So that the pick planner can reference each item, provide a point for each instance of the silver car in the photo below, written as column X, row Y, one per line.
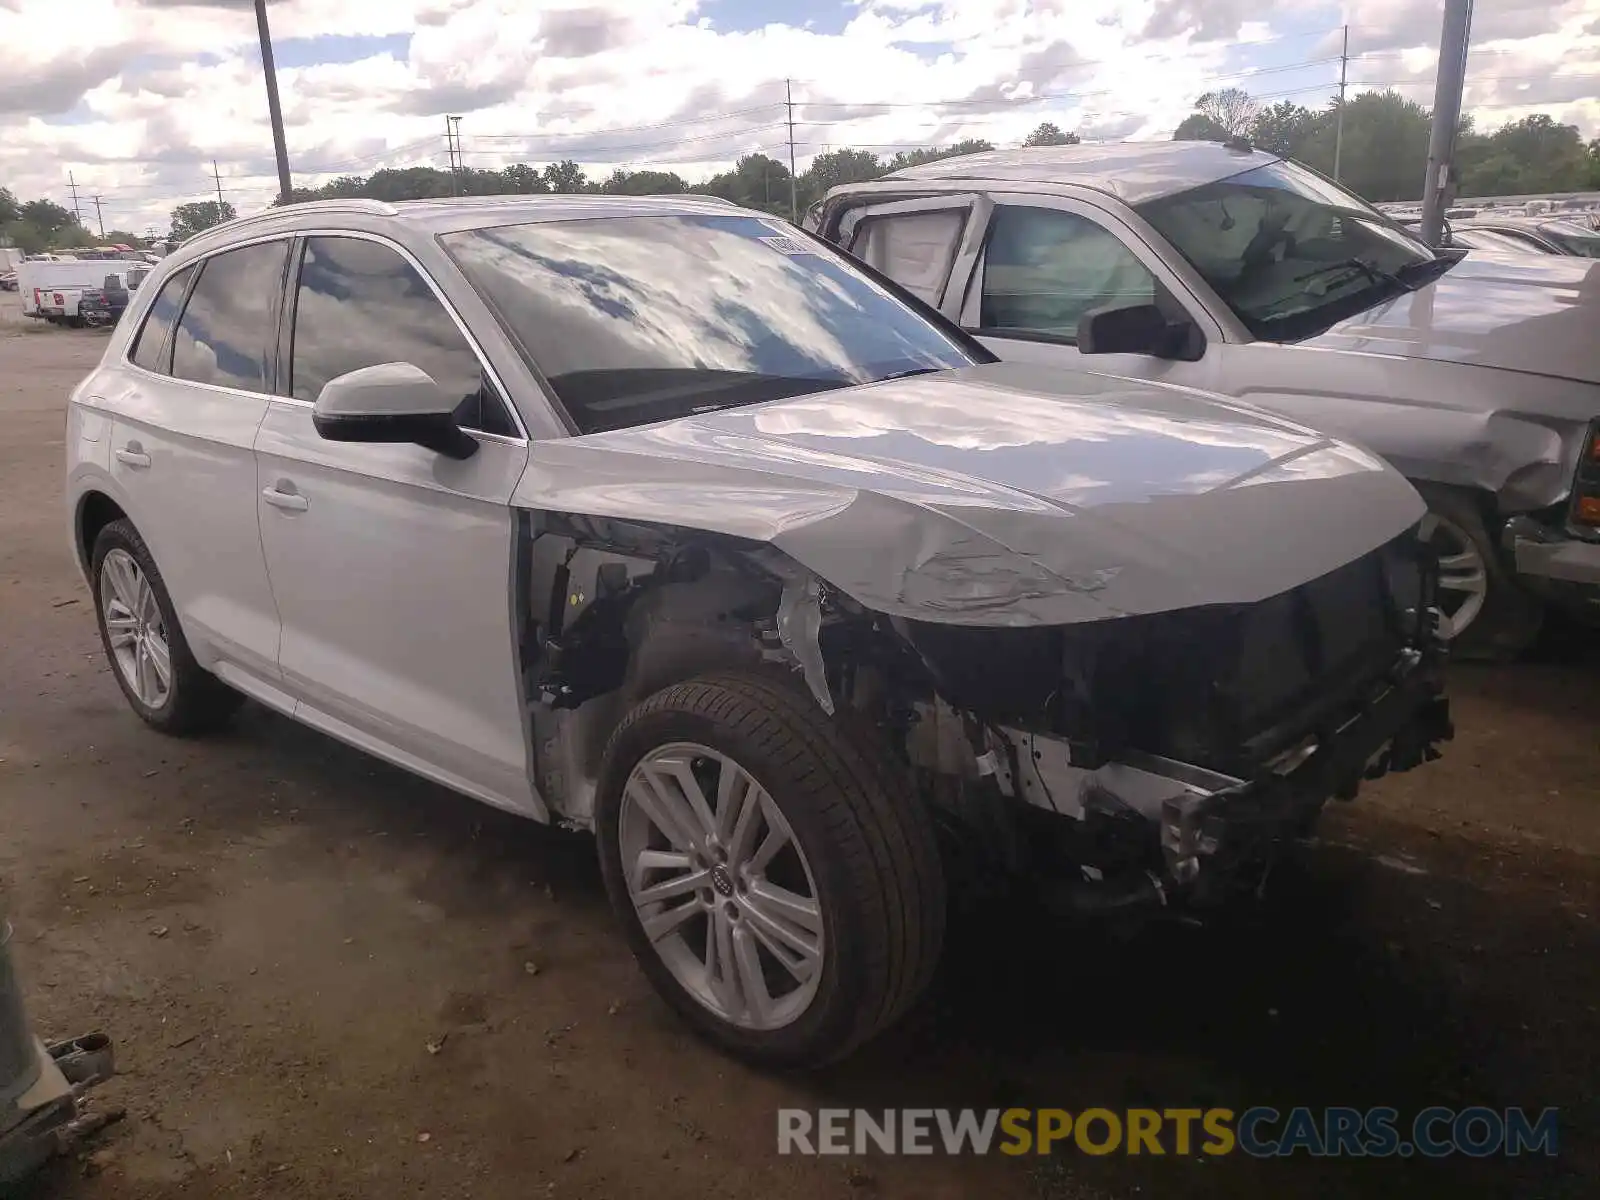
column 1239, row 272
column 661, row 519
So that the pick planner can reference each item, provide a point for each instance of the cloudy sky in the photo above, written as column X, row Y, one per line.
column 136, row 98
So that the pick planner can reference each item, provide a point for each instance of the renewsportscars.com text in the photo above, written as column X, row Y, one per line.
column 1259, row 1132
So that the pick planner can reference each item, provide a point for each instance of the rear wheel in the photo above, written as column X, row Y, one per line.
column 144, row 644
column 777, row 881
column 1487, row 613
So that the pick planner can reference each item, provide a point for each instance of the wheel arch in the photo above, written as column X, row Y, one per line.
column 94, row 511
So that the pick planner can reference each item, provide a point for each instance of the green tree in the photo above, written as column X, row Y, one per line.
column 522, row 179
column 1047, row 133
column 915, row 158
column 643, row 183
column 49, row 217
column 1534, row 154
column 407, row 183
column 1385, row 146
column 189, row 219
column 835, row 167
column 756, row 181
column 1288, row 129
column 123, row 237
column 565, row 176
column 9, row 209
column 1197, row 127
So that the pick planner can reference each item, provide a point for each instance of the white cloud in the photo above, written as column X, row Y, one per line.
column 136, row 100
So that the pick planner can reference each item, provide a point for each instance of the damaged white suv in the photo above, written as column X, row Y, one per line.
column 660, row 518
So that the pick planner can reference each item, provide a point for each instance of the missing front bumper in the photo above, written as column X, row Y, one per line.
column 1213, row 832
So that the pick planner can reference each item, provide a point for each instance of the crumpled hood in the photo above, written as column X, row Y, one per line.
column 1538, row 313
column 1005, row 494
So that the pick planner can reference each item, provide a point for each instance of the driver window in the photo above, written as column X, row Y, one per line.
column 1043, row 269
column 358, row 304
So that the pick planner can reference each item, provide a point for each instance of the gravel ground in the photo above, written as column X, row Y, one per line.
column 317, row 969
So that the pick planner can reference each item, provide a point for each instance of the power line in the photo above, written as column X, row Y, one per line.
column 700, row 120
column 655, row 145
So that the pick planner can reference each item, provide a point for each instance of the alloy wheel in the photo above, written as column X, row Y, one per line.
column 135, row 629
column 1463, row 574
column 721, row 886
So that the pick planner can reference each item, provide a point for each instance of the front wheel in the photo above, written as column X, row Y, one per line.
column 1487, row 613
column 776, row 879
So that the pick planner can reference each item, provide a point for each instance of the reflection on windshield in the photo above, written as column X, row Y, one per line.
column 640, row 319
column 1290, row 252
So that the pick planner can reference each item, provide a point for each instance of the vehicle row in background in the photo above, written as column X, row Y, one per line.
column 77, row 291
column 1233, row 270
column 1539, row 235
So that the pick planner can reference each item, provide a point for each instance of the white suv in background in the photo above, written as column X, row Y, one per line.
column 660, row 518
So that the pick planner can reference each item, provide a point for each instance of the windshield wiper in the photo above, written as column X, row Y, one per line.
column 1360, row 266
column 1420, row 274
column 909, row 372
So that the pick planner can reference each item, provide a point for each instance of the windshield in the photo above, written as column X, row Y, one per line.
column 1288, row 251
column 1572, row 238
column 1492, row 239
column 641, row 319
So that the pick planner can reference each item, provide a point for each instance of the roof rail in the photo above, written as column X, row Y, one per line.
column 356, row 204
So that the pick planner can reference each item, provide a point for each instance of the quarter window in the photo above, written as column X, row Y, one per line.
column 1044, row 269
column 228, row 322
column 915, row 249
column 360, row 303
column 152, row 348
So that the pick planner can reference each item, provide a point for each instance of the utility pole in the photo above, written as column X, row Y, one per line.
column 274, row 109
column 794, row 187
column 452, row 142
column 1438, row 187
column 1338, row 123
column 217, row 175
column 99, row 218
column 73, row 184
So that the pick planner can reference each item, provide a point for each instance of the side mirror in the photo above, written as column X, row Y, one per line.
column 391, row 402
column 1137, row 329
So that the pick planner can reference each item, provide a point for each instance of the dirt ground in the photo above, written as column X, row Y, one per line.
column 275, row 930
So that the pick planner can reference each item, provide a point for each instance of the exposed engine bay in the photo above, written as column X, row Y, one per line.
column 1110, row 763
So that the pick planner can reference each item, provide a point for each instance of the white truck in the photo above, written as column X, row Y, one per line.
column 53, row 291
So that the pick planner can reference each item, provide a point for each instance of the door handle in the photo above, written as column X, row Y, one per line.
column 132, row 456
column 291, row 501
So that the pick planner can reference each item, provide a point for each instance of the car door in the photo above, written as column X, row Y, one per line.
column 1046, row 261
column 391, row 564
column 183, row 425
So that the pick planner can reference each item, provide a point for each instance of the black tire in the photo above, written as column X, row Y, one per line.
column 870, row 842
column 1511, row 616
column 197, row 702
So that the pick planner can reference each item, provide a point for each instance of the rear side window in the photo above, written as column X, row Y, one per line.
column 223, row 336
column 359, row 304
column 915, row 249
column 152, row 347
